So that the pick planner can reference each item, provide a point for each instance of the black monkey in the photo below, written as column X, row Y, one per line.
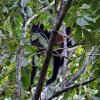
column 58, row 61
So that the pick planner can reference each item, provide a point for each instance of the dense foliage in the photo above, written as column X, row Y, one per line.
column 84, row 18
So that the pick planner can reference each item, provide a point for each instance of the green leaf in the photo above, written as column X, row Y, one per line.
column 35, row 36
column 88, row 38
column 94, row 5
column 29, row 11
column 97, row 23
column 96, row 69
column 81, row 22
column 30, row 48
column 12, row 77
column 5, row 9
column 78, row 34
column 24, row 61
column 43, row 41
column 92, row 91
column 65, row 96
column 86, row 34
column 81, row 60
column 85, row 6
column 97, row 12
column 87, row 17
column 96, row 98
column 26, row 77
column 26, row 81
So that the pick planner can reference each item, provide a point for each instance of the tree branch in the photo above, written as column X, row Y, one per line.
column 26, row 22
column 71, row 87
column 94, row 50
column 66, row 55
column 22, row 5
column 49, row 50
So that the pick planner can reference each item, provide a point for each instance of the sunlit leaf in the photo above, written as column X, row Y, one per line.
column 30, row 48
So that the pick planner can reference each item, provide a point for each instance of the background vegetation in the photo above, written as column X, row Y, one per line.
column 83, row 14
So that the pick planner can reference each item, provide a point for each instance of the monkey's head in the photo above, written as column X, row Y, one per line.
column 37, row 28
